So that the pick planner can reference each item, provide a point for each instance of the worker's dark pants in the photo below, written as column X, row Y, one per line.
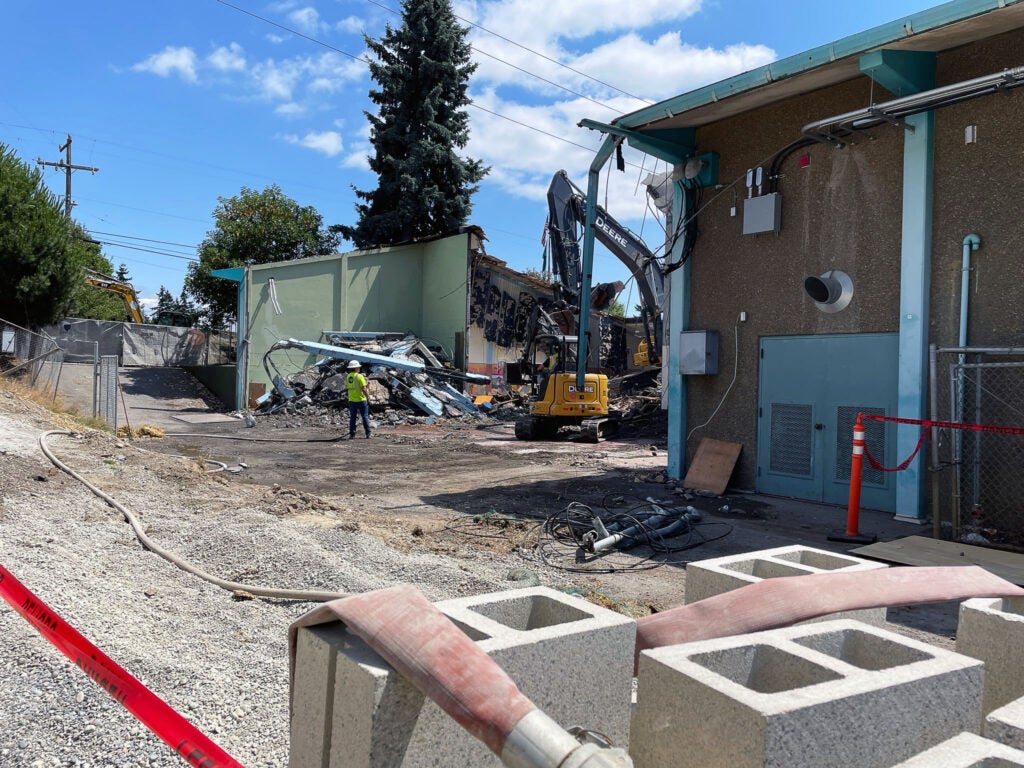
column 363, row 409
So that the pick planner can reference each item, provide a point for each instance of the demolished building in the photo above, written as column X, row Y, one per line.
column 467, row 307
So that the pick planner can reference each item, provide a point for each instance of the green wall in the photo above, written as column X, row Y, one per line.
column 445, row 292
column 419, row 288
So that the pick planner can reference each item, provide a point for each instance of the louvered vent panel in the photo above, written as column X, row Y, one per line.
column 791, row 439
column 874, row 438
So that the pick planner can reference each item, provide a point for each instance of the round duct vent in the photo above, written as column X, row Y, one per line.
column 832, row 292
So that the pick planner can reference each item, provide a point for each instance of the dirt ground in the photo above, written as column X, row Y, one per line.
column 451, row 489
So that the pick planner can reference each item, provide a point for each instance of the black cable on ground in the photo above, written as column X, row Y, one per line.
column 558, row 538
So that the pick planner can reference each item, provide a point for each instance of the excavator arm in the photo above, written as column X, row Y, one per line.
column 123, row 290
column 567, row 207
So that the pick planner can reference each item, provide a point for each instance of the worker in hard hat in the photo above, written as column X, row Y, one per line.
column 358, row 398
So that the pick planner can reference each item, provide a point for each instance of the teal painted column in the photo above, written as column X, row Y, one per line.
column 678, row 321
column 904, row 73
column 915, row 281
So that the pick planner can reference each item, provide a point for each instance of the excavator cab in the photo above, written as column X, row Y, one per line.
column 556, row 399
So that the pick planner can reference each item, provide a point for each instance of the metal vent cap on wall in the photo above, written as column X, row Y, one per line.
column 831, row 292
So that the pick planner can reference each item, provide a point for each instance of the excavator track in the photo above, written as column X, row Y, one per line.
column 599, row 428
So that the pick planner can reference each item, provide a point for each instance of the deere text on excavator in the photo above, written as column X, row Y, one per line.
column 557, row 399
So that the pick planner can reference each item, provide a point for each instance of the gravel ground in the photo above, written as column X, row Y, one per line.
column 220, row 662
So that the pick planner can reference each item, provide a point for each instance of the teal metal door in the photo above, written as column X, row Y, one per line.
column 811, row 389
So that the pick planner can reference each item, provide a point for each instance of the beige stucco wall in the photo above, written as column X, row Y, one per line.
column 843, row 211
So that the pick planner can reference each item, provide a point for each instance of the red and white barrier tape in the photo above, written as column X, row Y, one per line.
column 928, row 424
column 997, row 429
column 197, row 749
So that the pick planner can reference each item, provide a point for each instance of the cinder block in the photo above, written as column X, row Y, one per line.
column 966, row 751
column 992, row 629
column 707, row 578
column 573, row 659
column 826, row 695
column 1006, row 724
column 316, row 649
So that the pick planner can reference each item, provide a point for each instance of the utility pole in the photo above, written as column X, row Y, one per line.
column 68, row 168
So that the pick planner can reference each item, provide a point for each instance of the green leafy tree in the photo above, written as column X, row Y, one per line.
column 42, row 254
column 617, row 309
column 424, row 187
column 122, row 273
column 252, row 228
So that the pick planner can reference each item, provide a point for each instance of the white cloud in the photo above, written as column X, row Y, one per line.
column 326, row 142
column 171, row 60
column 227, row 59
column 533, row 21
column 290, row 109
column 352, row 25
column 306, row 20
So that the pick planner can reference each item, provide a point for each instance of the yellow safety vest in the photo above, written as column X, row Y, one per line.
column 355, row 383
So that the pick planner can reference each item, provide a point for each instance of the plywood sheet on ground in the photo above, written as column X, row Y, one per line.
column 920, row 550
column 712, row 466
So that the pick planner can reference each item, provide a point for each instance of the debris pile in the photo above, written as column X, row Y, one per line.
column 408, row 382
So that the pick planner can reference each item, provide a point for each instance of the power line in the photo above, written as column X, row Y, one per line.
column 147, row 250
column 144, row 239
column 530, row 50
column 67, row 167
column 365, row 61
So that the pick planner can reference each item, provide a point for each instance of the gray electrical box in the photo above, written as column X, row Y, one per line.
column 762, row 214
column 698, row 352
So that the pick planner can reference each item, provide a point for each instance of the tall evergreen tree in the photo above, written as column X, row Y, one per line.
column 424, row 187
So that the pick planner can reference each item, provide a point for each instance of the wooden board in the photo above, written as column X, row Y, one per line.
column 712, row 466
column 920, row 550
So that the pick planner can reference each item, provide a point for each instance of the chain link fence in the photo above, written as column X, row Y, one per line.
column 32, row 358
column 978, row 477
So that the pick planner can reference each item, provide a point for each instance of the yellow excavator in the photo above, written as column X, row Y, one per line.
column 122, row 289
column 556, row 400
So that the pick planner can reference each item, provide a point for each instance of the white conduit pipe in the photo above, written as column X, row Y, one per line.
column 148, row 543
column 425, row 647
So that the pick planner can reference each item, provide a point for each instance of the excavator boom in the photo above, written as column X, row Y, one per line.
column 123, row 290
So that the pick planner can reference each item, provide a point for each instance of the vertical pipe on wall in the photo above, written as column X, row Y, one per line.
column 971, row 243
column 587, row 270
column 933, row 392
column 673, row 381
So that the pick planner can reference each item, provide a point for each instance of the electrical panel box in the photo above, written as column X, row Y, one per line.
column 762, row 214
column 698, row 353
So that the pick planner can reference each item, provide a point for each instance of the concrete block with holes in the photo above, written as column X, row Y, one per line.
column 992, row 629
column 707, row 578
column 1006, row 724
column 572, row 658
column 966, row 751
column 825, row 695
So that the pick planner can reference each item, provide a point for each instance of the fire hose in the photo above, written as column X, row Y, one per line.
column 231, row 586
column 439, row 659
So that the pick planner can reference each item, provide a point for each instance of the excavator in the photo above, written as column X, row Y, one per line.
column 567, row 213
column 122, row 289
column 557, row 400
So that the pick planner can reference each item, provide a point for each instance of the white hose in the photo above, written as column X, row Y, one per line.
column 230, row 586
column 735, row 370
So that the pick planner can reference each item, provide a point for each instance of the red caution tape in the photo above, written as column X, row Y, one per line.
column 927, row 424
column 185, row 739
column 999, row 430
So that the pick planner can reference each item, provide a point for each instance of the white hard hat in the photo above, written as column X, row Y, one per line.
column 352, row 364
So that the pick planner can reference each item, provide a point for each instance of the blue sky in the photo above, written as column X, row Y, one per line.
column 180, row 103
